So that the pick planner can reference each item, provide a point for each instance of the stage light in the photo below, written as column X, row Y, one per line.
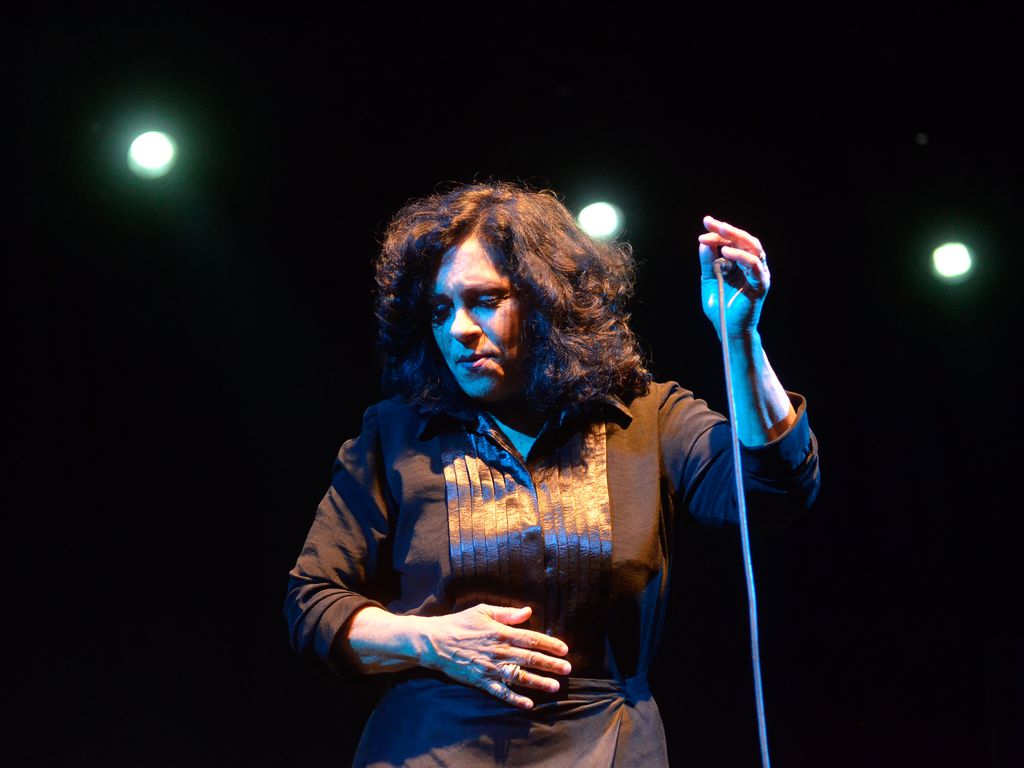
column 600, row 220
column 151, row 155
column 952, row 262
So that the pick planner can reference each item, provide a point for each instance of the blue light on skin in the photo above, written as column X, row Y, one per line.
column 478, row 327
column 477, row 323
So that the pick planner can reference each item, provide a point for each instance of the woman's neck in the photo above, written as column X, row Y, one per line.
column 520, row 423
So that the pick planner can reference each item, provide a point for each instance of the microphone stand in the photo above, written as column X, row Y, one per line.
column 720, row 266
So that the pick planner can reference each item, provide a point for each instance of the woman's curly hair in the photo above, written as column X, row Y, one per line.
column 574, row 290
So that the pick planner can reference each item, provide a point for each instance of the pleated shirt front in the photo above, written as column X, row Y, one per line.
column 537, row 527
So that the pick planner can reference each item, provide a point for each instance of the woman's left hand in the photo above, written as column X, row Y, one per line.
column 746, row 283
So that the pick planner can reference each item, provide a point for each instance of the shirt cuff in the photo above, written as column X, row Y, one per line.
column 333, row 623
column 786, row 454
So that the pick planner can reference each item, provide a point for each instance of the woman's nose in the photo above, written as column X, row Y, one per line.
column 463, row 325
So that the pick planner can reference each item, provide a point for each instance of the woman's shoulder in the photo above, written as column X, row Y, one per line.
column 660, row 394
column 387, row 425
column 391, row 416
column 394, row 407
column 669, row 408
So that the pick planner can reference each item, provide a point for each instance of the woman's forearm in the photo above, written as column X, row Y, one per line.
column 763, row 408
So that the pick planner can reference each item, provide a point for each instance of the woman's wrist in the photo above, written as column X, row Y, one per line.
column 746, row 340
column 380, row 641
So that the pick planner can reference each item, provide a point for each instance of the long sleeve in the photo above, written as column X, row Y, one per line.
column 345, row 563
column 781, row 478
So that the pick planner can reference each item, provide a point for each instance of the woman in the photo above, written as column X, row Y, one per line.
column 498, row 536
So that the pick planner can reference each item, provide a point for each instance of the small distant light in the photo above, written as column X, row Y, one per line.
column 921, row 139
column 601, row 220
column 952, row 261
column 151, row 155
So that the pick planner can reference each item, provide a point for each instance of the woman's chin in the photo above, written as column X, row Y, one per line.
column 487, row 389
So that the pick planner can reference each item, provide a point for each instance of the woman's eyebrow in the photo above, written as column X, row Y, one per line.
column 476, row 289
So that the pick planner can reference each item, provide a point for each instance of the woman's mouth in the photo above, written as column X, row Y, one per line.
column 474, row 362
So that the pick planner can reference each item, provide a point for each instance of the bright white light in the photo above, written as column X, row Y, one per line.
column 952, row 261
column 600, row 220
column 151, row 155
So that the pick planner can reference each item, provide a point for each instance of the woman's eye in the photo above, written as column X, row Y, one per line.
column 439, row 313
column 491, row 301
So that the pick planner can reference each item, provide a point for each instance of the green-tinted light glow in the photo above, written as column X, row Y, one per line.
column 952, row 261
column 151, row 155
column 600, row 220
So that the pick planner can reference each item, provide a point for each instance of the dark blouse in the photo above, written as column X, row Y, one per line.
column 430, row 515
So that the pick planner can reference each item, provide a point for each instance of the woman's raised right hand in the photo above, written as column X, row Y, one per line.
column 482, row 647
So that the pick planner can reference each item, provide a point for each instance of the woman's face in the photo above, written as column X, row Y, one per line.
column 477, row 323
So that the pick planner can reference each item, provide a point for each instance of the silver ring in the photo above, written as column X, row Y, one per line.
column 509, row 671
column 763, row 257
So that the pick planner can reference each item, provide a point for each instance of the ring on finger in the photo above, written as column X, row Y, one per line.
column 763, row 257
column 509, row 672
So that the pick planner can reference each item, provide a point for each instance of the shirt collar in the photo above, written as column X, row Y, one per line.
column 431, row 424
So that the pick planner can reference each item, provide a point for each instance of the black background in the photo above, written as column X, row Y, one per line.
column 188, row 353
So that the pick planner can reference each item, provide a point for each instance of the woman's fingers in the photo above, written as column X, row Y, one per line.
column 755, row 268
column 732, row 235
column 534, row 650
column 739, row 247
column 499, row 690
column 514, row 674
column 505, row 614
column 499, row 687
column 536, row 641
column 534, row 660
column 508, row 674
column 715, row 240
